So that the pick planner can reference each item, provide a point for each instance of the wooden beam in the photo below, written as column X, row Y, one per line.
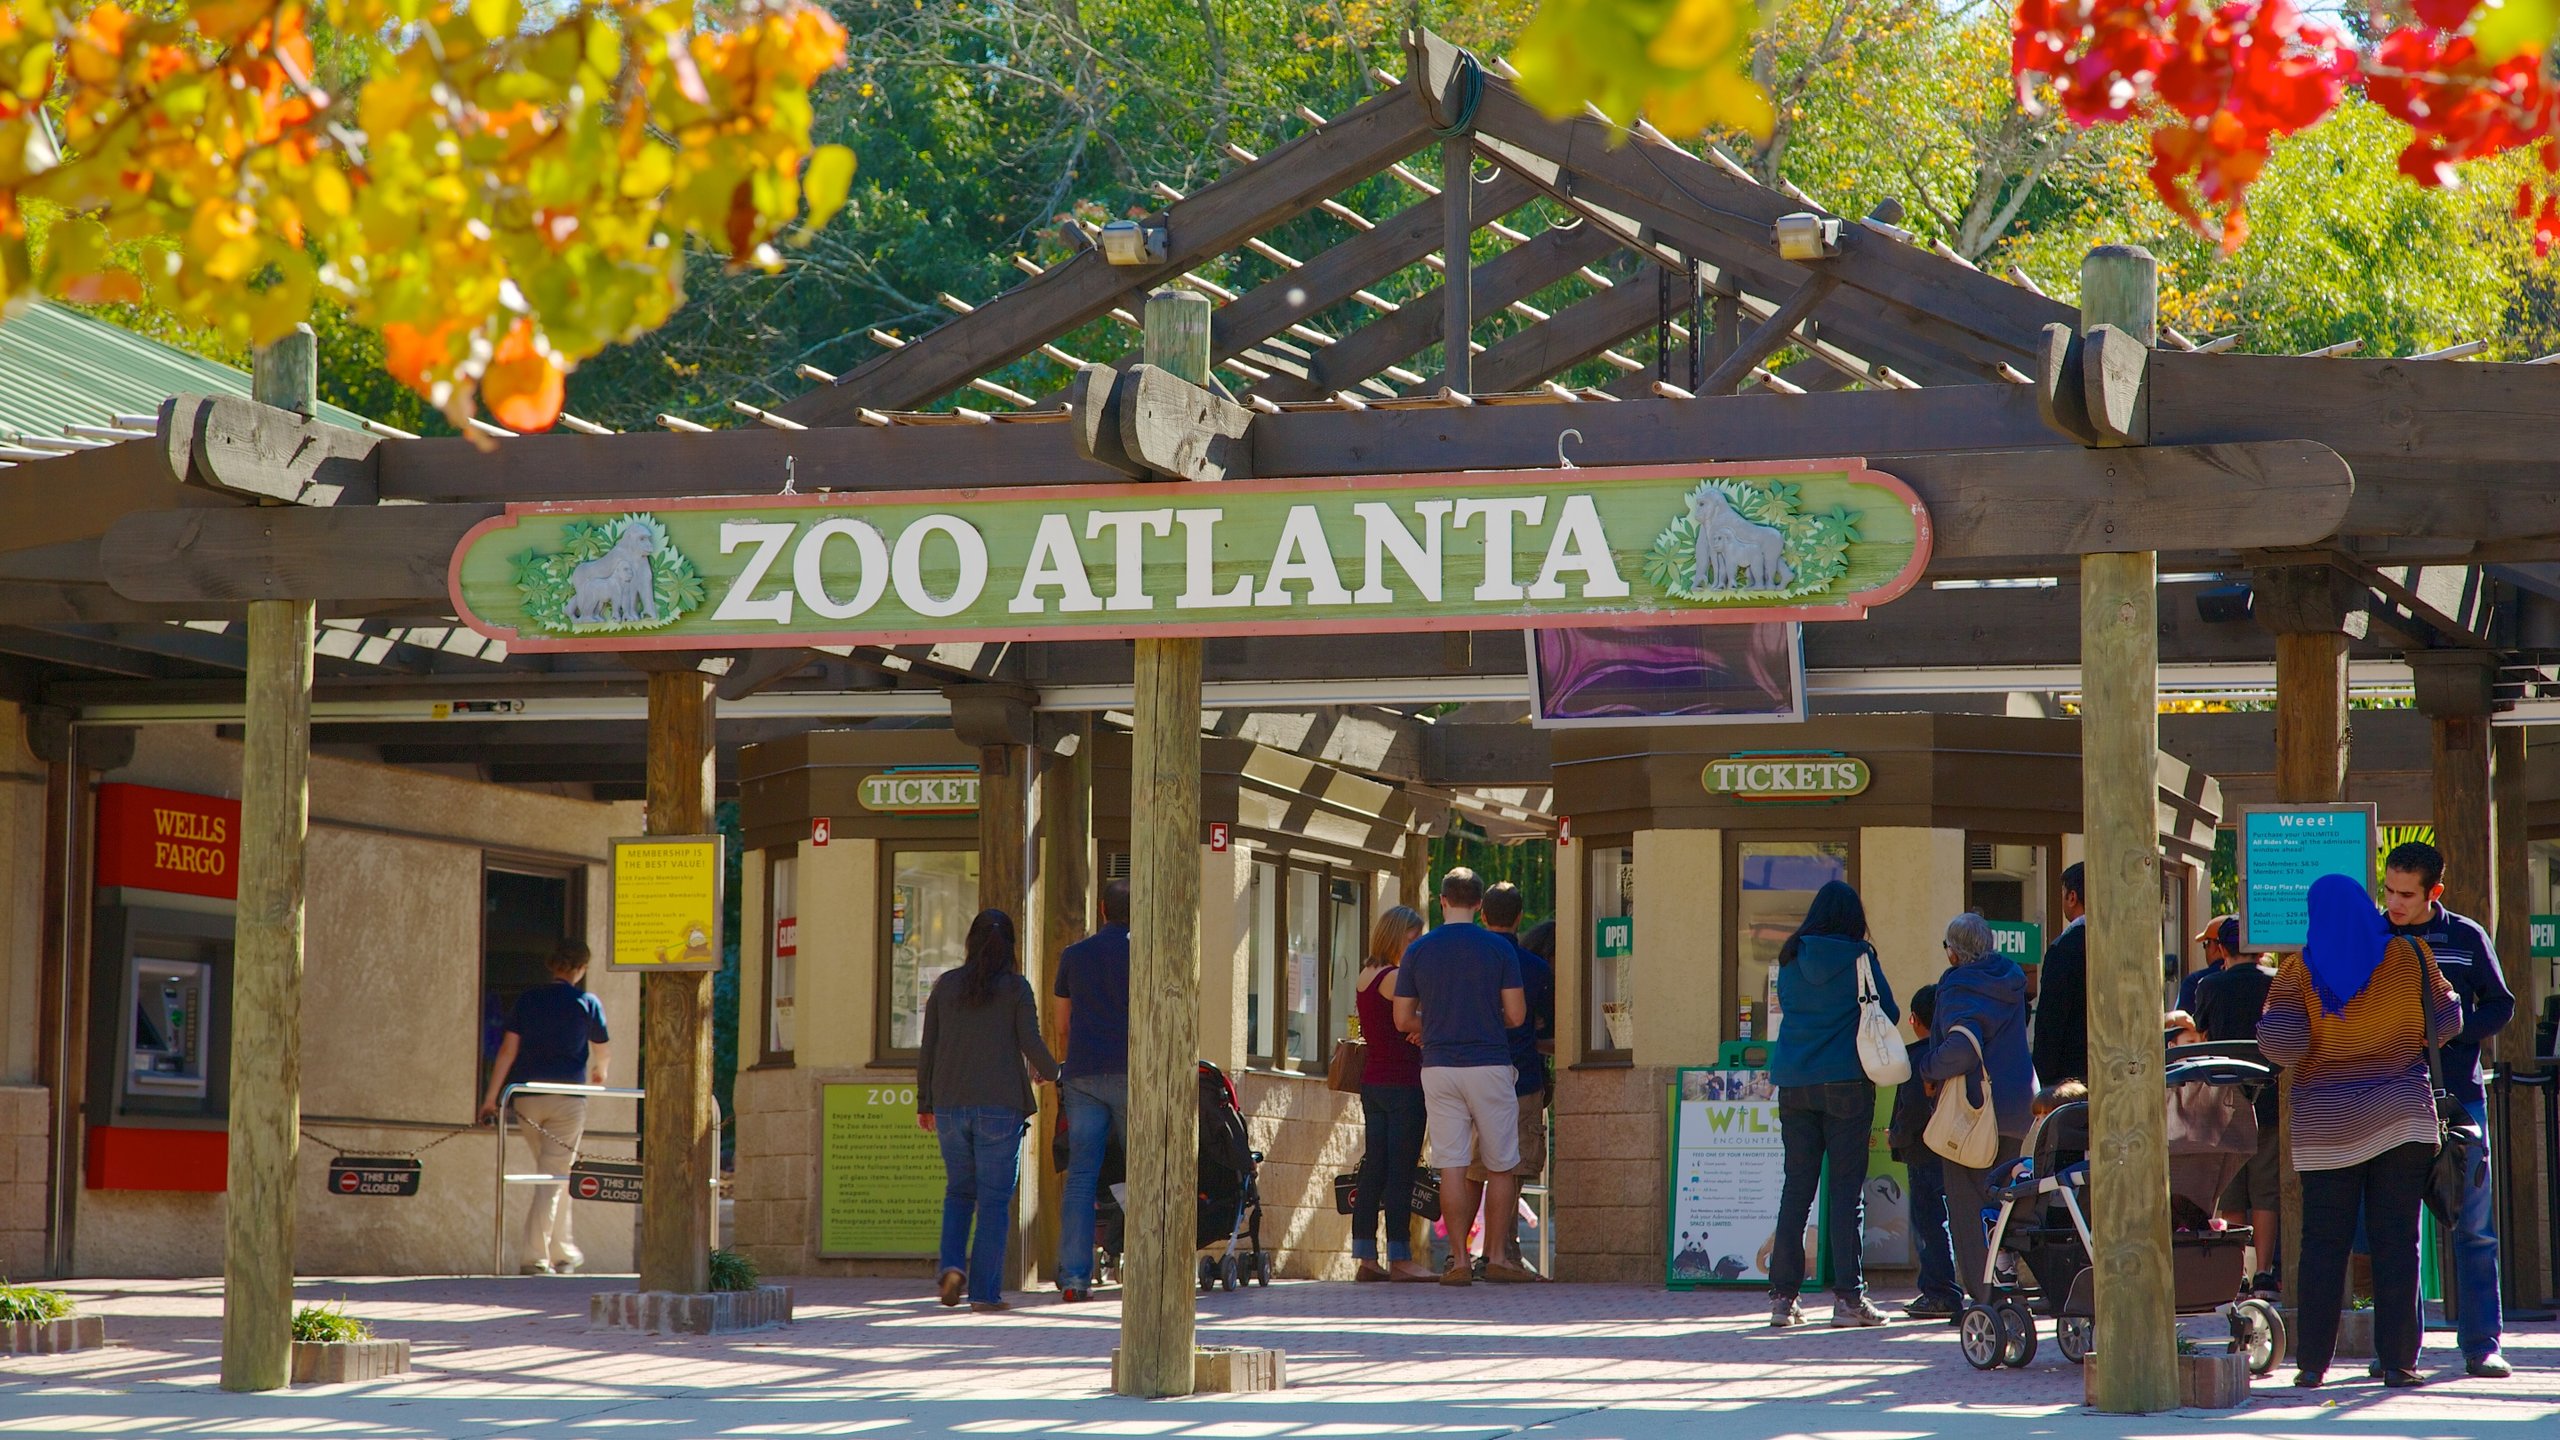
column 79, row 495
column 1182, row 431
column 1558, row 343
column 265, row 1121
column 679, row 1151
column 2136, row 1288
column 264, row 452
column 1457, row 263
column 2526, row 1244
column 1768, row 335
column 1285, row 183
column 322, row 554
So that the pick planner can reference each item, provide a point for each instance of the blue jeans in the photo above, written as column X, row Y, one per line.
column 1931, row 1240
column 1393, row 1119
column 981, row 1157
column 2475, row 1258
column 1819, row 1123
column 1095, row 1107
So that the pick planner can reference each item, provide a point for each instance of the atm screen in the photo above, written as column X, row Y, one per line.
column 1702, row 674
column 168, row 1055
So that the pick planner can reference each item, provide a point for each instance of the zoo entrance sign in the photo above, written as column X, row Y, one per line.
column 1476, row 550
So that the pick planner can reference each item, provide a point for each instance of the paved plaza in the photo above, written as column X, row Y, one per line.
column 1567, row 1362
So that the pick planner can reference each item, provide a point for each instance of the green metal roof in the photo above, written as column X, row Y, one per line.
column 59, row 367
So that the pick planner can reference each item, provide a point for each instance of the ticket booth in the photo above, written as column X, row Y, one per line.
column 1697, row 849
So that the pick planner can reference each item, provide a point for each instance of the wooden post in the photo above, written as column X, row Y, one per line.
column 1457, row 239
column 679, row 1144
column 997, row 720
column 2312, row 612
column 2119, row 765
column 2524, row 1239
column 2455, row 690
column 266, row 969
column 1164, row 953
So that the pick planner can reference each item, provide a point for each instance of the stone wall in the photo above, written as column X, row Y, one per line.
column 776, row 1182
column 24, row 1130
column 1307, row 1133
column 1611, row 1129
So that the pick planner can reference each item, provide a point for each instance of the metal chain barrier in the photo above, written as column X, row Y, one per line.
column 337, row 1151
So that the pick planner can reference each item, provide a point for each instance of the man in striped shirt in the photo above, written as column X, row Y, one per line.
column 2412, row 895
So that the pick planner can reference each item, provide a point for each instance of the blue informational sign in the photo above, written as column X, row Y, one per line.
column 2283, row 848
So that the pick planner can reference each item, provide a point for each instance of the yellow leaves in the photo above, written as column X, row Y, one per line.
column 506, row 190
column 1680, row 63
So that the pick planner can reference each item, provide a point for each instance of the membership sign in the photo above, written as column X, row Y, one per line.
column 879, row 1176
column 2283, row 848
column 665, row 903
column 1728, row 1164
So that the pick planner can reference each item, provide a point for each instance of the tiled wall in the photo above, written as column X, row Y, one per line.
column 24, row 1129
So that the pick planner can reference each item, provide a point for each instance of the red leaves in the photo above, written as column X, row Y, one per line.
column 2239, row 75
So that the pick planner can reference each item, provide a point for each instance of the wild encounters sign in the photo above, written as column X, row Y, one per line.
column 1479, row 550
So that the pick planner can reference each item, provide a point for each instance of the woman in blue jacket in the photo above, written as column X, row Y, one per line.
column 1826, row 1104
column 1984, row 995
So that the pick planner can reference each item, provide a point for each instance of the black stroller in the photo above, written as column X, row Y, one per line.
column 1230, row 1194
column 2043, row 1219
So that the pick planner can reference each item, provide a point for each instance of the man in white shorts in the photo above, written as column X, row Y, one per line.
column 1459, row 991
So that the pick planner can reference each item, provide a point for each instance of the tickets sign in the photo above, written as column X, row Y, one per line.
column 1788, row 775
column 921, row 790
column 1476, row 550
column 665, row 903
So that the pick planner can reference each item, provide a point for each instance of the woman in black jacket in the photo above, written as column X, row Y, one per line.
column 981, row 1028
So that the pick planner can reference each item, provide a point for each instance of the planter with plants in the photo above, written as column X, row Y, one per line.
column 37, row 1321
column 735, row 1301
column 332, row 1347
column 2212, row 1377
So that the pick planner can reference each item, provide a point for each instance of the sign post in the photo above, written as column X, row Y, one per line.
column 2283, row 848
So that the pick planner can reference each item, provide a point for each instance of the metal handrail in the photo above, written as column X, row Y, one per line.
column 506, row 1109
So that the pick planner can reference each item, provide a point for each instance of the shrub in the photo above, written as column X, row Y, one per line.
column 732, row 1271
column 29, row 1302
column 328, row 1324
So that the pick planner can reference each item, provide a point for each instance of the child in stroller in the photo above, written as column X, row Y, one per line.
column 2043, row 1219
column 1230, row 1196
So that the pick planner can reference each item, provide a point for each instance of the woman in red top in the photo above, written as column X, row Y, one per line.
column 1391, row 1108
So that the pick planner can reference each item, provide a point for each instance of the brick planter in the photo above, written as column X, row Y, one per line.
column 2213, row 1382
column 664, row 1312
column 335, row 1362
column 52, row 1337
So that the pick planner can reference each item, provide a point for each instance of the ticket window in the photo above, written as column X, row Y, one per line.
column 2011, row 881
column 1773, row 885
column 162, row 1000
column 929, row 896
column 1609, row 990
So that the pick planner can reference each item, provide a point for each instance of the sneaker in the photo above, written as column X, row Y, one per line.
column 1459, row 1273
column 2492, row 1366
column 1929, row 1307
column 1784, row 1312
column 1855, row 1313
column 569, row 1265
column 538, row 1267
column 954, row 1285
column 1074, row 1294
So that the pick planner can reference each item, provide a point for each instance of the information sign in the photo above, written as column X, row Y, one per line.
column 664, row 905
column 616, row 1182
column 2546, row 937
column 2283, row 848
column 1728, row 1164
column 374, row 1175
column 879, row 1175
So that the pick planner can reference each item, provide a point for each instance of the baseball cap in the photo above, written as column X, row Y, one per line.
column 2223, row 930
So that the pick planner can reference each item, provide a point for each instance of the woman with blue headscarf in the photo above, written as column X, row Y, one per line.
column 2351, row 1017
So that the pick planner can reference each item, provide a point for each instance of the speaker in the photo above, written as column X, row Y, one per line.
column 2226, row 604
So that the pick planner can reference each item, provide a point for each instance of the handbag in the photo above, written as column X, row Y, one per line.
column 1342, row 1072
column 1880, row 1049
column 1962, row 1130
column 1426, row 1192
column 2462, row 1153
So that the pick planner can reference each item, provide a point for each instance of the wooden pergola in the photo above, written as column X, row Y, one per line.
column 2376, row 507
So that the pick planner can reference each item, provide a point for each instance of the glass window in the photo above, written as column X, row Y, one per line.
column 932, row 895
column 782, row 951
column 1306, row 956
column 1346, row 903
column 1309, row 922
column 1610, row 1030
column 1778, row 878
column 1261, row 959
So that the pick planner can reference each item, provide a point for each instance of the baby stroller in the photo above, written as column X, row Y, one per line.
column 2043, row 1219
column 1230, row 1195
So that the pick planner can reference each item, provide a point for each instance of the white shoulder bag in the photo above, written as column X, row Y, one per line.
column 1961, row 1130
column 1880, row 1048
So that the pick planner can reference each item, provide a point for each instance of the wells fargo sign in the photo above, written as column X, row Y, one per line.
column 936, row 790
column 1787, row 775
column 168, row 840
column 1467, row 551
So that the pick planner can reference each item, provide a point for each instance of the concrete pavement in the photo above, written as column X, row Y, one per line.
column 497, row 1357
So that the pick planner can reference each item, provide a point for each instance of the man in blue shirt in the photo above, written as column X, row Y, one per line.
column 1459, row 991
column 555, row 1036
column 1093, row 1093
column 1531, row 1041
column 2412, row 892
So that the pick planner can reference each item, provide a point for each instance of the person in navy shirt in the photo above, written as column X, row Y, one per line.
column 1459, row 990
column 1531, row 1042
column 555, row 1035
column 2412, row 896
column 1093, row 1097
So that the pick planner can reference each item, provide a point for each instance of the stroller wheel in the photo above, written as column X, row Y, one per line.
column 2077, row 1335
column 1262, row 1271
column 1978, row 1335
column 1208, row 1273
column 2258, row 1327
column 1228, row 1274
column 2017, row 1334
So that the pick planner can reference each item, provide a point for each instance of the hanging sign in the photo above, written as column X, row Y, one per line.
column 2020, row 940
column 1476, row 550
column 921, row 790
column 880, row 1176
column 616, row 1182
column 665, row 903
column 1786, row 776
column 2283, row 848
column 1613, row 937
column 2546, row 937
column 374, row 1175
column 152, row 839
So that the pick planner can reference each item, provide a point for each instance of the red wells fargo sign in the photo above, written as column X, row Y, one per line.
column 168, row 840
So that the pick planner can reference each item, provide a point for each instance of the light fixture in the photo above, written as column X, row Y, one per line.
column 1807, row 236
column 1126, row 242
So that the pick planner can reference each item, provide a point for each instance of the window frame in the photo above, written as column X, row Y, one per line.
column 1588, row 948
column 573, row 927
column 883, row 1054
column 767, row 1054
column 1282, row 867
column 1731, row 944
